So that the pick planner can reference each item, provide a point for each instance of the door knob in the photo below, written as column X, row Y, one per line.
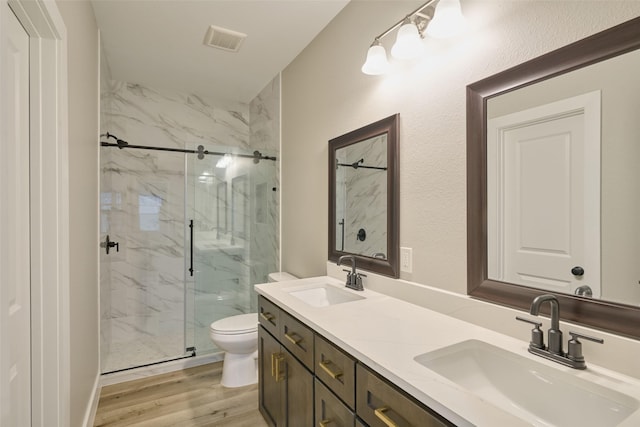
column 577, row 271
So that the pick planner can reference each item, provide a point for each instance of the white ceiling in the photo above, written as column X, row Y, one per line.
column 159, row 43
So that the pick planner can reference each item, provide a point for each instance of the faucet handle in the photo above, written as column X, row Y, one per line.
column 574, row 352
column 537, row 337
column 575, row 336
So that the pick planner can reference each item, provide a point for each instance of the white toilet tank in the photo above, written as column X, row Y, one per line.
column 280, row 276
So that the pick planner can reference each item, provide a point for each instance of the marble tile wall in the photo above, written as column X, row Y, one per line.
column 265, row 186
column 148, row 297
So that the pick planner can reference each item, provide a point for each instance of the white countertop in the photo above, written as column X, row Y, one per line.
column 386, row 334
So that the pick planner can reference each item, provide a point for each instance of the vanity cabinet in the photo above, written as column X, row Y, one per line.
column 305, row 380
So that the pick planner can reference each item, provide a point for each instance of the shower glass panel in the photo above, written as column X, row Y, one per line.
column 233, row 204
column 143, row 302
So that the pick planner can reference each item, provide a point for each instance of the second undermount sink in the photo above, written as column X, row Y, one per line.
column 529, row 390
column 324, row 295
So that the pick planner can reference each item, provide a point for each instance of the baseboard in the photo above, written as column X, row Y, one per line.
column 90, row 415
column 148, row 371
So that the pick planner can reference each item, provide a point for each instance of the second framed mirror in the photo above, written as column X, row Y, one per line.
column 363, row 196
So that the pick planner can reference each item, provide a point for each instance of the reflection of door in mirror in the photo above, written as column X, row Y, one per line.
column 543, row 190
column 361, row 198
column 619, row 179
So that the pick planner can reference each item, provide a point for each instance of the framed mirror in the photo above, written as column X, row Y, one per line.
column 600, row 74
column 363, row 197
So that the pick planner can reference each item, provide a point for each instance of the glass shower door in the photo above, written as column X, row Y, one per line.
column 228, row 203
column 143, row 303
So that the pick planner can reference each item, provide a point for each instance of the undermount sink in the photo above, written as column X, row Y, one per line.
column 323, row 295
column 527, row 389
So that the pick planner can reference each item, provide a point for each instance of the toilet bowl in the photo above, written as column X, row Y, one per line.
column 237, row 336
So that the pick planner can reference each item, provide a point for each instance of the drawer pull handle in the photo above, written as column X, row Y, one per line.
column 380, row 413
column 324, row 423
column 278, row 358
column 267, row 316
column 325, row 367
column 294, row 340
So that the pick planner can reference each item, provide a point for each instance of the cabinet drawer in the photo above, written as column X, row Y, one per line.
column 330, row 411
column 380, row 405
column 269, row 316
column 297, row 338
column 336, row 370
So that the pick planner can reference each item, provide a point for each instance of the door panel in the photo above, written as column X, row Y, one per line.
column 269, row 391
column 15, row 301
column 543, row 195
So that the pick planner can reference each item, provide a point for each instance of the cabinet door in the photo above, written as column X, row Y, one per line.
column 298, row 393
column 269, row 386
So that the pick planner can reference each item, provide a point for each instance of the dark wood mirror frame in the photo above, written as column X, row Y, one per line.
column 390, row 126
column 618, row 318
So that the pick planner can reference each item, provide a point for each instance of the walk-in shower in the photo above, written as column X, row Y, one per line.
column 195, row 221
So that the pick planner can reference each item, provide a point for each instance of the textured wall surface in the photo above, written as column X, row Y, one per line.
column 326, row 95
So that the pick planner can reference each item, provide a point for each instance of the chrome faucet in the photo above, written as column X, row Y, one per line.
column 554, row 334
column 573, row 358
column 354, row 279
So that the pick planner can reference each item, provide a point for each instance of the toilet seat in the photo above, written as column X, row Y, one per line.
column 236, row 325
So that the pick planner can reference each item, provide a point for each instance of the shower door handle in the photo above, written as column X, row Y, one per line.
column 191, row 247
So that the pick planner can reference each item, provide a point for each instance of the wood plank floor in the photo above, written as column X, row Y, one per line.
column 189, row 398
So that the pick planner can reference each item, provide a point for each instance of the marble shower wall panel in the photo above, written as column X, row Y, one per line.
column 146, row 116
column 265, row 187
column 366, row 198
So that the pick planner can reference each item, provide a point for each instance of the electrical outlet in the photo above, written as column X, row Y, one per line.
column 406, row 260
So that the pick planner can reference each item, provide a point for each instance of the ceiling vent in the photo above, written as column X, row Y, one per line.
column 224, row 39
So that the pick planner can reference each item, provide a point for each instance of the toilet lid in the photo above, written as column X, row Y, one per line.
column 240, row 324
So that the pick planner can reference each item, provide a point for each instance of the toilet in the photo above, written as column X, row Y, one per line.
column 237, row 336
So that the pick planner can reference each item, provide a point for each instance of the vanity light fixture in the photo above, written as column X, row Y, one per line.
column 446, row 19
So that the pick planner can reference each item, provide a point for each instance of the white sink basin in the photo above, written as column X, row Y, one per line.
column 323, row 295
column 529, row 390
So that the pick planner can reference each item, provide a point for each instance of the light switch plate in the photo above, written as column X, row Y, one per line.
column 406, row 260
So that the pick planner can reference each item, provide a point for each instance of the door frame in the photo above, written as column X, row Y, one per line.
column 49, row 177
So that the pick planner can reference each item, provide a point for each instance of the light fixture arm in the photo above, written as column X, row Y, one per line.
column 400, row 22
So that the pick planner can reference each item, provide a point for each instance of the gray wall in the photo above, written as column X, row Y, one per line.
column 326, row 95
column 83, row 69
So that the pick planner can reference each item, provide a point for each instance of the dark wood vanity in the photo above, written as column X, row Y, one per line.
column 306, row 380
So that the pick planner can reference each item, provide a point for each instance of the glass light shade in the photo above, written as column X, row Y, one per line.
column 447, row 20
column 408, row 44
column 376, row 62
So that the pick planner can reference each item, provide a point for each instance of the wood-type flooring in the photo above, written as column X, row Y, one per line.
column 189, row 398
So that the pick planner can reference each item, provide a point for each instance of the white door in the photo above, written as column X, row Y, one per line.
column 542, row 188
column 15, row 301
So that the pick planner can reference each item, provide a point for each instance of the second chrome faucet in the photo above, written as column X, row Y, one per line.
column 354, row 279
column 573, row 358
